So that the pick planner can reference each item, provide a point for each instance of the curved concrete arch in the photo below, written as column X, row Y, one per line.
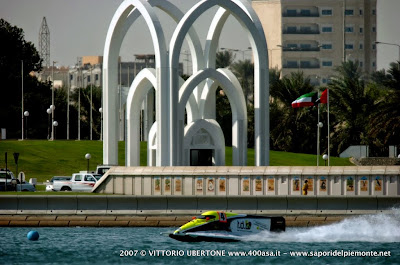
column 216, row 134
column 141, row 85
column 152, row 146
column 237, row 96
column 123, row 19
column 247, row 17
column 144, row 81
column 111, row 51
column 238, row 106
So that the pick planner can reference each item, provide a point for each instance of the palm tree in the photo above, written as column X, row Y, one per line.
column 224, row 59
column 291, row 128
column 352, row 103
column 385, row 121
column 244, row 71
column 223, row 109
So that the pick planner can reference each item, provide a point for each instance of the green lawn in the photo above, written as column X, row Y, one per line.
column 43, row 159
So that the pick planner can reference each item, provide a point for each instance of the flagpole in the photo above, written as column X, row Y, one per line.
column 329, row 147
column 318, row 134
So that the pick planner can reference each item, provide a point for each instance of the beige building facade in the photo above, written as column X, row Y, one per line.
column 315, row 36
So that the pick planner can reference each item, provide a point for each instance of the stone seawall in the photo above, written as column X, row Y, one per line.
column 138, row 221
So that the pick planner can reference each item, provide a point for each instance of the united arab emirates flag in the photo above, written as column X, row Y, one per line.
column 306, row 100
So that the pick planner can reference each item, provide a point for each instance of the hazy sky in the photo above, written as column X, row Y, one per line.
column 79, row 27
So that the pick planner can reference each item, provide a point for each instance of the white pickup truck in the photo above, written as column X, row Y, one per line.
column 82, row 181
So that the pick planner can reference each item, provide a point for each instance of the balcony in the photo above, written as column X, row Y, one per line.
column 301, row 31
column 313, row 14
column 298, row 49
column 311, row 11
column 296, row 66
column 301, row 64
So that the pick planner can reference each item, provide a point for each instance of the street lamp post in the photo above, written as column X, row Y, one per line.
column 22, row 100
column 26, row 114
column 91, row 104
column 325, row 157
column 48, row 123
column 79, row 105
column 52, row 101
column 319, row 126
column 101, row 123
column 55, row 124
column 88, row 156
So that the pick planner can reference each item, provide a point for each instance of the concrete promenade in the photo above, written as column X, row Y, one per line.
column 173, row 211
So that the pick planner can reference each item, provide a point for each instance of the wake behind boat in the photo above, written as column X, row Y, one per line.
column 226, row 227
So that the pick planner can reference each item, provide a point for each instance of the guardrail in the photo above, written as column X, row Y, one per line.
column 189, row 205
column 245, row 181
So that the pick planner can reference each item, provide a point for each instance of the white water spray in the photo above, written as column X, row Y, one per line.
column 366, row 228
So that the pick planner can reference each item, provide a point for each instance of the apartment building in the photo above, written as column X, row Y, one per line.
column 315, row 36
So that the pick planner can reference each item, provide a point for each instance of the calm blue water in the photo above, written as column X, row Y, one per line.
column 104, row 245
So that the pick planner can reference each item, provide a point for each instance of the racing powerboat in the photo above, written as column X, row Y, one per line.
column 226, row 227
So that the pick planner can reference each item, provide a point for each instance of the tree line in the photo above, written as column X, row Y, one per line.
column 363, row 109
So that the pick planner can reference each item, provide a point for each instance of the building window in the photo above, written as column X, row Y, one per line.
column 71, row 77
column 374, row 46
column 327, row 29
column 96, row 77
column 305, row 29
column 373, row 12
column 292, row 46
column 349, row 29
column 326, row 12
column 361, row 30
column 361, row 46
column 305, row 46
column 305, row 12
column 361, row 12
column 291, row 64
column 373, row 64
column 305, row 64
column 326, row 46
column 291, row 29
column 361, row 64
column 327, row 63
column 349, row 46
column 349, row 12
column 291, row 12
column 374, row 29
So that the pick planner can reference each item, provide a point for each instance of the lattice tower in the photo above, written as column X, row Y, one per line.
column 44, row 43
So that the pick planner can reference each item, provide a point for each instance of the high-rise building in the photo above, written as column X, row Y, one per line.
column 315, row 36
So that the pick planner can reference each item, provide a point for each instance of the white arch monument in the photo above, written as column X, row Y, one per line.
column 170, row 139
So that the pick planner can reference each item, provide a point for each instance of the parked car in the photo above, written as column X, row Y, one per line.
column 82, row 181
column 49, row 184
column 10, row 183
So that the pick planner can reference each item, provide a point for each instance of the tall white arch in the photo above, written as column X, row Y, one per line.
column 247, row 17
column 144, row 81
column 113, row 43
column 123, row 19
column 232, row 88
column 141, row 85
